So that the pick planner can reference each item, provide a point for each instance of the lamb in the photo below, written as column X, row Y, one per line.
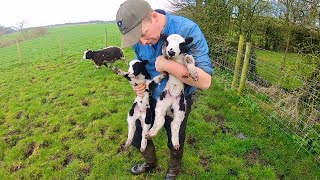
column 173, row 98
column 104, row 56
column 140, row 110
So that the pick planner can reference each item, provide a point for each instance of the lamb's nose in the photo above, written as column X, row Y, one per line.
column 171, row 53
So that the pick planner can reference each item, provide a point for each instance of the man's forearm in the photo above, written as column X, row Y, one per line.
column 179, row 71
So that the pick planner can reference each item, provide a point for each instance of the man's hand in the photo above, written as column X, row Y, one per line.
column 169, row 66
column 161, row 64
column 140, row 89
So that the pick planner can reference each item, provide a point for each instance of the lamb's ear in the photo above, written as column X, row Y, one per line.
column 144, row 62
column 188, row 40
column 163, row 36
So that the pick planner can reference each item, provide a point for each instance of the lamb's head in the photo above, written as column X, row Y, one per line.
column 137, row 72
column 87, row 54
column 174, row 45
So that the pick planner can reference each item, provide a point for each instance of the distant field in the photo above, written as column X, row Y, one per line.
column 297, row 68
column 60, row 119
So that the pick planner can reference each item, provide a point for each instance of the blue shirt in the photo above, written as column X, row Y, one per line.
column 198, row 49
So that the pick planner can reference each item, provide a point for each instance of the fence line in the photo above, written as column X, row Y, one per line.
column 19, row 51
column 60, row 44
column 296, row 116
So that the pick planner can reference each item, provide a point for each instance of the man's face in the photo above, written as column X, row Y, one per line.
column 150, row 33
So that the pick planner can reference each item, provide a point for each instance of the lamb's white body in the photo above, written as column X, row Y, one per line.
column 139, row 112
column 140, row 106
column 173, row 95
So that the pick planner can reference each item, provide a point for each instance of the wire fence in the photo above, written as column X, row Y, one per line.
column 284, row 87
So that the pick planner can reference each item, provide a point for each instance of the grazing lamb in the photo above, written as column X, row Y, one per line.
column 173, row 98
column 140, row 110
column 104, row 56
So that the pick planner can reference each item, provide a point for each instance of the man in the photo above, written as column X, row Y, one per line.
column 141, row 27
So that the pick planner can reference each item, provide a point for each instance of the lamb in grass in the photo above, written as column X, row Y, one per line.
column 104, row 56
column 172, row 98
column 140, row 110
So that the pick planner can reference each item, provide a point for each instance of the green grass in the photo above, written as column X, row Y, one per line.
column 61, row 120
column 297, row 68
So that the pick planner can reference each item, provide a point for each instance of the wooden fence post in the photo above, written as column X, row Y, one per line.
column 106, row 37
column 60, row 44
column 238, row 62
column 19, row 51
column 245, row 69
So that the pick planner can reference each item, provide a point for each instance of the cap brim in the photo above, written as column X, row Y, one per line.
column 131, row 37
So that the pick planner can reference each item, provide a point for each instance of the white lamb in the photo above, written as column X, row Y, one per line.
column 173, row 98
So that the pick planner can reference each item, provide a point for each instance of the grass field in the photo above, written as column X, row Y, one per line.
column 60, row 119
column 297, row 68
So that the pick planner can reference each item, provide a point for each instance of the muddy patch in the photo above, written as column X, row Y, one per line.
column 222, row 126
column 30, row 150
column 68, row 160
column 85, row 169
column 191, row 140
column 16, row 167
column 208, row 118
column 85, row 102
column 254, row 156
column 19, row 115
column 102, row 132
column 205, row 162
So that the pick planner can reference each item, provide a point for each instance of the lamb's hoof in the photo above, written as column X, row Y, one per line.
column 149, row 136
column 142, row 149
column 195, row 76
column 126, row 146
column 176, row 147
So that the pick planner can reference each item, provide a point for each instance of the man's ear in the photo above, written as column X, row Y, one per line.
column 188, row 40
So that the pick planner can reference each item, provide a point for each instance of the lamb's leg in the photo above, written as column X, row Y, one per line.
column 176, row 122
column 190, row 63
column 145, row 129
column 158, row 78
column 131, row 129
column 160, row 112
column 119, row 71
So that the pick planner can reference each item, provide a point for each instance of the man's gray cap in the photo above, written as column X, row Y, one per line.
column 129, row 19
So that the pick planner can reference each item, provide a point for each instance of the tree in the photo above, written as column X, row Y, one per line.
column 20, row 27
column 5, row 30
column 249, row 12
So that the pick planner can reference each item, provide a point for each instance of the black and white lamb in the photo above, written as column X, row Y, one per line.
column 173, row 98
column 104, row 56
column 137, row 74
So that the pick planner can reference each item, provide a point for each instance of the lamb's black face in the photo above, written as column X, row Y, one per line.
column 138, row 72
column 176, row 45
column 87, row 54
